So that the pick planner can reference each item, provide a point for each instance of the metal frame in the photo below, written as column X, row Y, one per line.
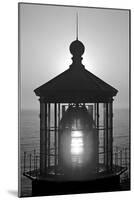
column 50, row 116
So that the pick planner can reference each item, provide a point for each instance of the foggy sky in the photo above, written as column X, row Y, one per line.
column 46, row 33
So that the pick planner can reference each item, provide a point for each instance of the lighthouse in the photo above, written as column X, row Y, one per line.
column 76, row 150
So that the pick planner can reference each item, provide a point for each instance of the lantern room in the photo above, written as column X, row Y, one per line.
column 76, row 123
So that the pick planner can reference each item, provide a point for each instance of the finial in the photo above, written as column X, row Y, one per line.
column 77, row 26
column 77, row 49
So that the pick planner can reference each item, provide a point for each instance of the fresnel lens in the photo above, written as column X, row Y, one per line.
column 78, row 146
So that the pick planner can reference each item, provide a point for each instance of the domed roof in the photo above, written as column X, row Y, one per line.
column 76, row 84
column 77, row 48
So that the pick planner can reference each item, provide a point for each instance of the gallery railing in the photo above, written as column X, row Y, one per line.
column 121, row 160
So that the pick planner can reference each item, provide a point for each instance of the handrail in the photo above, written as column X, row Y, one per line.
column 31, row 161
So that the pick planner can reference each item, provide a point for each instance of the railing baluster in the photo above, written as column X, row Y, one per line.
column 126, row 157
column 24, row 162
column 30, row 164
column 121, row 158
column 34, row 158
column 116, row 159
column 36, row 165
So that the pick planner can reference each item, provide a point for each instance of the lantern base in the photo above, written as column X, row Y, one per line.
column 53, row 187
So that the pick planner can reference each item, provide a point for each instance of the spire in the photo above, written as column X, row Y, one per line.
column 77, row 26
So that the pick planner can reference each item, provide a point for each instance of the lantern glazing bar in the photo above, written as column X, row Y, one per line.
column 46, row 139
column 59, row 114
column 97, row 124
column 49, row 134
column 106, row 138
column 110, row 134
column 55, row 135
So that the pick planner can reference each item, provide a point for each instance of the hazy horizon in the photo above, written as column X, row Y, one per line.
column 38, row 108
column 46, row 33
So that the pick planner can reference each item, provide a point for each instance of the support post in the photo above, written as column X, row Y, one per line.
column 46, row 139
column 55, row 134
column 106, row 135
column 49, row 132
column 110, row 135
column 97, row 124
column 58, row 132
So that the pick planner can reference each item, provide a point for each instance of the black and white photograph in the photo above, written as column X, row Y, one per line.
column 74, row 99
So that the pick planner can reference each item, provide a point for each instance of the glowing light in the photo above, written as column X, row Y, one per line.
column 76, row 143
column 76, row 134
column 76, row 150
